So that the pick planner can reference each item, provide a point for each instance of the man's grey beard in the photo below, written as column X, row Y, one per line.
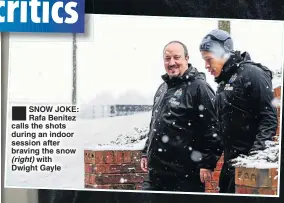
column 174, row 76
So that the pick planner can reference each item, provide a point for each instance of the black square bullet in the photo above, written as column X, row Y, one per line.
column 19, row 113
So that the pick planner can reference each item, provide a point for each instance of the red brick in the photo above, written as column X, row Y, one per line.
column 212, row 185
column 99, row 157
column 100, row 168
column 127, row 156
column 136, row 156
column 88, row 168
column 274, row 178
column 212, row 191
column 221, row 158
column 103, row 186
column 118, row 157
column 255, row 190
column 267, row 191
column 278, row 127
column 125, row 168
column 89, row 157
column 117, row 168
column 238, row 176
column 109, row 157
column 277, row 92
column 258, row 178
column 245, row 190
column 87, row 179
column 138, row 186
column 215, row 176
column 115, row 178
column 92, row 179
column 219, row 166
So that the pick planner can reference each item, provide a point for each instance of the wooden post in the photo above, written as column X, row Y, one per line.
column 224, row 25
column 74, row 72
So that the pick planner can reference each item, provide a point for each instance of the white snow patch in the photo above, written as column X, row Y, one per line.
column 276, row 102
column 276, row 81
column 268, row 158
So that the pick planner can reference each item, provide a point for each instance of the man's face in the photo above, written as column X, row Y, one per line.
column 175, row 61
column 213, row 64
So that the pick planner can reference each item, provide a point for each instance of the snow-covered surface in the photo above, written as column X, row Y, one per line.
column 268, row 158
column 115, row 133
column 277, row 81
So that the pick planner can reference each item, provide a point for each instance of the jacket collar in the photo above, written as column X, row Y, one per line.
column 188, row 75
column 230, row 67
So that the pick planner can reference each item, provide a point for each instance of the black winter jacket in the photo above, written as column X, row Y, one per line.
column 244, row 106
column 183, row 133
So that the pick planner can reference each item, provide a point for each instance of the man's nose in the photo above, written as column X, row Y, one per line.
column 172, row 62
column 207, row 65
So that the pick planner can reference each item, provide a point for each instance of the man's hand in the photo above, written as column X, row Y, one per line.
column 144, row 164
column 205, row 175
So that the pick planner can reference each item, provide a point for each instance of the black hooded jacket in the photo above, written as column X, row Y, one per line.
column 183, row 133
column 244, row 106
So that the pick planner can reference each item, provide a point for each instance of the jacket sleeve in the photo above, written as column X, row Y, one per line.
column 261, row 94
column 211, row 148
column 144, row 150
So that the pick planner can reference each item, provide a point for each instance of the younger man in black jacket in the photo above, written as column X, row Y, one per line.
column 247, row 117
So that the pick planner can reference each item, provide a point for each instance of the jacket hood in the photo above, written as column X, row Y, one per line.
column 233, row 63
column 190, row 74
column 246, row 58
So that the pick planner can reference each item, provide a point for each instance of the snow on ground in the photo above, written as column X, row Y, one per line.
column 277, row 81
column 123, row 132
column 268, row 158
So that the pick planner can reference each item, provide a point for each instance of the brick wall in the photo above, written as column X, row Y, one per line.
column 256, row 181
column 213, row 185
column 113, row 169
column 121, row 169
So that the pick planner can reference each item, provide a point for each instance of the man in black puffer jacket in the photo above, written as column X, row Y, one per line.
column 247, row 117
column 183, row 144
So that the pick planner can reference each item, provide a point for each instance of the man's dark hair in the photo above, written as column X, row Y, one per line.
column 182, row 44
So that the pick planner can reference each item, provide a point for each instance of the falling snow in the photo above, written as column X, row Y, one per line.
column 165, row 138
column 201, row 107
column 196, row 156
column 122, row 180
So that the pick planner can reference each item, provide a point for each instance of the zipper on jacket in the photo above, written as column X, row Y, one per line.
column 158, row 116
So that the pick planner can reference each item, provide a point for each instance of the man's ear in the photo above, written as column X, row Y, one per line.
column 187, row 58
